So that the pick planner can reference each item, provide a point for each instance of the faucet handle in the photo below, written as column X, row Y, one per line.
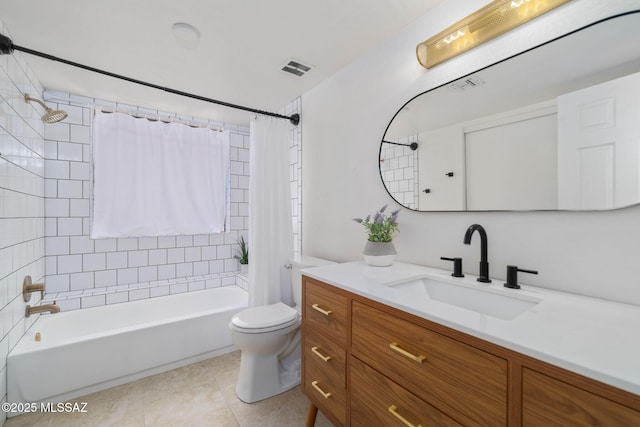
column 457, row 266
column 512, row 276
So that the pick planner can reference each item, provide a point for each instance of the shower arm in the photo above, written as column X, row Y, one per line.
column 28, row 98
column 7, row 47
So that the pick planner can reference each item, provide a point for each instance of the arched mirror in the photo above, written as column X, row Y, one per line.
column 554, row 128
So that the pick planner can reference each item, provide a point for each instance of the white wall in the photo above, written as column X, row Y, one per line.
column 592, row 253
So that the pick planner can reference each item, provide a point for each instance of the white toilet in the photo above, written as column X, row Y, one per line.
column 269, row 339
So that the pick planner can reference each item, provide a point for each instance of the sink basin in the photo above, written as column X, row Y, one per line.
column 492, row 302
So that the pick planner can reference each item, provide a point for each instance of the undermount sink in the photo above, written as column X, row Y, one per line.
column 492, row 302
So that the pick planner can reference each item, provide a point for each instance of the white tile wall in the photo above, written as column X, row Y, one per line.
column 22, row 200
column 399, row 166
column 295, row 173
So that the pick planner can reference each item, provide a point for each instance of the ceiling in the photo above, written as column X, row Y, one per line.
column 242, row 46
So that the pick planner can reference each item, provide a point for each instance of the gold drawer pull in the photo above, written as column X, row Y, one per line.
column 320, row 355
column 317, row 387
column 393, row 409
column 317, row 308
column 394, row 346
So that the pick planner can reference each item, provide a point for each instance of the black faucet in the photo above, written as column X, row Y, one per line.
column 484, row 264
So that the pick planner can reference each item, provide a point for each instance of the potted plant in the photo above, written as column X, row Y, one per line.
column 242, row 255
column 379, row 250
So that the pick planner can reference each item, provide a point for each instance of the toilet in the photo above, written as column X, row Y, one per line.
column 268, row 337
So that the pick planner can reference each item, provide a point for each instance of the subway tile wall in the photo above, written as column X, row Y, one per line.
column 295, row 173
column 399, row 166
column 81, row 272
column 22, row 200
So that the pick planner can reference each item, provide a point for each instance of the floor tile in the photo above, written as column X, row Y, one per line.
column 201, row 394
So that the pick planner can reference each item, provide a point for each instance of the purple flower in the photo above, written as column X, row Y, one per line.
column 381, row 227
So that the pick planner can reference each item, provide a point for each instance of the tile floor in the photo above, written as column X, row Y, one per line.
column 201, row 394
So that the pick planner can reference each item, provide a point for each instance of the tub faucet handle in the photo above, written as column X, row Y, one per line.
column 28, row 287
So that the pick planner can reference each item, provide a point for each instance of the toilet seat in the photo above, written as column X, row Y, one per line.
column 265, row 318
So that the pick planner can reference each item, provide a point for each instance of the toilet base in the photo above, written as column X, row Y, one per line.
column 272, row 379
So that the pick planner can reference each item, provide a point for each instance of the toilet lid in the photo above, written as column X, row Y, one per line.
column 266, row 316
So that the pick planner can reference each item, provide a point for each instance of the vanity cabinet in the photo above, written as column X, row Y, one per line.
column 365, row 364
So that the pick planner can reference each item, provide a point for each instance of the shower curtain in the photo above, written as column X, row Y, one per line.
column 270, row 223
column 157, row 179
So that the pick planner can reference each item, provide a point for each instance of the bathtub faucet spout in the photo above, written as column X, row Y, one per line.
column 51, row 308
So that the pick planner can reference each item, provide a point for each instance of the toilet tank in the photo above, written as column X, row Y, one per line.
column 299, row 263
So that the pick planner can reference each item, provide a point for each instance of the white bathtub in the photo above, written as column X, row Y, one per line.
column 88, row 350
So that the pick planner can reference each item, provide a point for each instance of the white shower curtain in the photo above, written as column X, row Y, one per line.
column 157, row 179
column 270, row 224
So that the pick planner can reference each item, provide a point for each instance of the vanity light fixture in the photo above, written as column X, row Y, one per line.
column 486, row 23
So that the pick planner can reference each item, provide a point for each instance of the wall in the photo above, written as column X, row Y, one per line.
column 22, row 203
column 590, row 253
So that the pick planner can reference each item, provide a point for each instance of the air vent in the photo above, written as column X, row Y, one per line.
column 467, row 83
column 296, row 67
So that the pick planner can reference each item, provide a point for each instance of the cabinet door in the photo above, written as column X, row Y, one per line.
column 547, row 401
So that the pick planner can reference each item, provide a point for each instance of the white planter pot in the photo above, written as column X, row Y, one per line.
column 379, row 254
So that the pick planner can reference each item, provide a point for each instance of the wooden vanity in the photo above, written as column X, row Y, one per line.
column 365, row 363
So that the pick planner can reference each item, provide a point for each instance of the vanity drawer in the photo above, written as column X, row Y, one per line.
column 325, row 310
column 323, row 390
column 327, row 356
column 378, row 401
column 548, row 401
column 468, row 384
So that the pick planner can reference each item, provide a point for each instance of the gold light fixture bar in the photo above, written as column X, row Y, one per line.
column 492, row 20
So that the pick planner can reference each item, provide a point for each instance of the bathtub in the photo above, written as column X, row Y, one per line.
column 88, row 350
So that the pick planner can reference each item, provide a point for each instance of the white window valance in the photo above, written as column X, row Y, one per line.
column 157, row 179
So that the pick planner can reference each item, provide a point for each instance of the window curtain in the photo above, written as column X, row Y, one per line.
column 270, row 223
column 157, row 179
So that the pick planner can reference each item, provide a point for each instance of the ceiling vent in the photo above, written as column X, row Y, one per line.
column 467, row 83
column 296, row 67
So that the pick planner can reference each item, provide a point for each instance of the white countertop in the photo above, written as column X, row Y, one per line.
column 593, row 337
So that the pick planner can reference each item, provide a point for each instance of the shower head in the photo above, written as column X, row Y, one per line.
column 51, row 116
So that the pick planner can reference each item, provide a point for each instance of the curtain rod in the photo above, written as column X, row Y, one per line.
column 7, row 47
